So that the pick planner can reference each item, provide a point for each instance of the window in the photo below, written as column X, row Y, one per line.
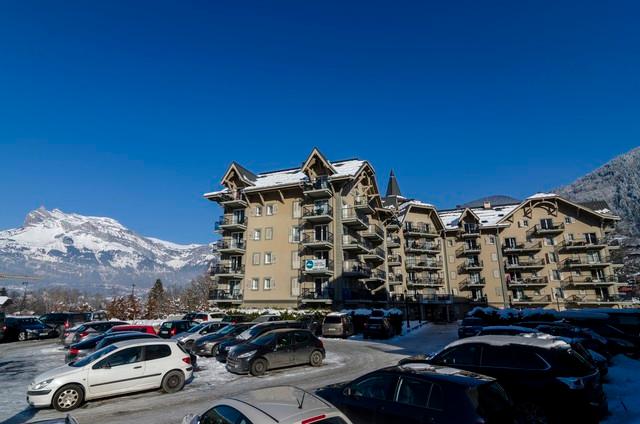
column 494, row 257
column 379, row 386
column 452, row 259
column 525, row 222
column 297, row 209
column 295, row 287
column 268, row 258
column 590, row 238
column 496, row 273
column 570, row 237
column 156, row 352
column 454, row 275
column 462, row 355
column 123, row 357
column 491, row 239
column 549, row 241
column 268, row 233
column 295, row 259
column 568, row 220
column 555, row 275
column 284, row 341
column 271, row 209
column 255, row 283
column 294, row 237
column 511, row 357
column 300, row 337
column 552, row 257
column 268, row 284
column 257, row 234
column 258, row 210
column 414, row 392
column 255, row 258
column 223, row 414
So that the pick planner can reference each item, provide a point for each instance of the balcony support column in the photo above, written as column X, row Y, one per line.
column 503, row 283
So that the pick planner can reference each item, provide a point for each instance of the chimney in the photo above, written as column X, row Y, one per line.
column 486, row 204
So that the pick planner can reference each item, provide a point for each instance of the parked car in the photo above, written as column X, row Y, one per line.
column 546, row 378
column 470, row 326
column 88, row 346
column 148, row 329
column 311, row 323
column 65, row 320
column 120, row 368
column 337, row 325
column 266, row 318
column 208, row 345
column 169, row 329
column 280, row 404
column 90, row 329
column 251, row 333
column 627, row 319
column 25, row 328
column 420, row 394
column 235, row 318
column 589, row 338
column 188, row 338
column 203, row 316
column 377, row 328
column 505, row 330
column 276, row 349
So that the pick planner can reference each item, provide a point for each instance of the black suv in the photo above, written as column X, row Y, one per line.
column 421, row 394
column 24, row 328
column 276, row 349
column 470, row 326
column 169, row 329
column 377, row 328
column 545, row 378
column 208, row 345
column 253, row 332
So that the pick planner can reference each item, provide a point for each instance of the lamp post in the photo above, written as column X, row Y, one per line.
column 406, row 309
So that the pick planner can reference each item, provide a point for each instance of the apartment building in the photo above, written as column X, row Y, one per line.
column 321, row 235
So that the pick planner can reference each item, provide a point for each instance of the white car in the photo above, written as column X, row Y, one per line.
column 124, row 367
column 280, row 404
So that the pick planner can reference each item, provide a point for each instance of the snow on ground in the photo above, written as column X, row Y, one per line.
column 623, row 391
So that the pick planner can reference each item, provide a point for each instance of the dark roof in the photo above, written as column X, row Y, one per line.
column 393, row 189
column 495, row 200
column 595, row 205
column 246, row 174
column 442, row 373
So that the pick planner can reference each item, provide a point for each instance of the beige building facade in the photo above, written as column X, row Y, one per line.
column 321, row 235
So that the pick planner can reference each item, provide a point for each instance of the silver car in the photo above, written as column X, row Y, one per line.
column 337, row 325
column 189, row 337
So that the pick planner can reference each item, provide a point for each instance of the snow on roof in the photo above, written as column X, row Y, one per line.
column 216, row 193
column 4, row 300
column 488, row 217
column 511, row 340
column 542, row 195
column 405, row 205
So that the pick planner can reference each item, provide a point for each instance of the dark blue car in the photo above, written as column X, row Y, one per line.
column 25, row 328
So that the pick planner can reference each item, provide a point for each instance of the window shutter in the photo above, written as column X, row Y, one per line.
column 494, row 257
column 273, row 258
column 496, row 273
column 275, row 208
column 451, row 259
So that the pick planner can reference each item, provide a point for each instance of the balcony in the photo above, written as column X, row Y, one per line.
column 232, row 200
column 613, row 244
column 520, row 265
column 393, row 242
column 468, row 249
column 588, row 281
column 395, row 279
column 469, row 231
column 317, row 213
column 424, row 282
column 423, row 264
column 317, row 189
column 233, row 223
column 228, row 271
column 231, row 246
column 350, row 295
column 393, row 225
column 469, row 266
column 471, row 283
column 536, row 281
column 581, row 245
column 373, row 232
column 576, row 262
column 354, row 268
column 376, row 254
column 313, row 296
column 394, row 260
column 532, row 300
column 546, row 229
column 226, row 297
column 318, row 267
column 355, row 244
column 597, row 300
column 355, row 220
column 422, row 247
column 312, row 240
column 419, row 229
column 361, row 203
column 376, row 276
column 521, row 248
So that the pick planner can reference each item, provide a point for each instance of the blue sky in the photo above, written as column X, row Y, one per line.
column 133, row 109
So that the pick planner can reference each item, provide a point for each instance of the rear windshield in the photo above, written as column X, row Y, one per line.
column 333, row 320
column 250, row 333
column 166, row 325
column 571, row 364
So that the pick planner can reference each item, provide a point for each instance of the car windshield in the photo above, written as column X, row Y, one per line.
column 265, row 340
column 166, row 325
column 333, row 319
column 94, row 356
column 247, row 334
column 227, row 329
column 29, row 321
column 196, row 328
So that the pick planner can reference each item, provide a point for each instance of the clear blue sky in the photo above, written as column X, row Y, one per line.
column 133, row 109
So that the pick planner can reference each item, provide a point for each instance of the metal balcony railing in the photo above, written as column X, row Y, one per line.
column 422, row 245
column 317, row 184
column 225, row 295
column 524, row 263
column 373, row 230
column 230, row 221
column 521, row 247
column 227, row 269
column 231, row 244
column 310, row 237
column 351, row 266
column 543, row 229
column 324, row 293
column 467, row 249
column 418, row 228
column 314, row 211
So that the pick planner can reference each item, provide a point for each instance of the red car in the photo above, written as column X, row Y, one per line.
column 141, row 328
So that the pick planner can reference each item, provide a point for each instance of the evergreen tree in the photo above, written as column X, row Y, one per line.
column 3, row 291
column 156, row 301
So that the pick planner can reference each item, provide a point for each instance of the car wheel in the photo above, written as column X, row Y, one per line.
column 22, row 336
column 214, row 350
column 173, row 381
column 68, row 397
column 315, row 359
column 531, row 413
column 258, row 367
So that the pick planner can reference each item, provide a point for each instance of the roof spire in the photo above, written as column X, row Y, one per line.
column 393, row 189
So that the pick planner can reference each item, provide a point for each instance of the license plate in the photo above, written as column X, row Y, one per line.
column 332, row 329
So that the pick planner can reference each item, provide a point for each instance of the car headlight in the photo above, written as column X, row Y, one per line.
column 247, row 354
column 43, row 384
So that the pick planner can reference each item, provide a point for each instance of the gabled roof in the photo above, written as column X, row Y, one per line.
column 486, row 217
column 406, row 206
column 315, row 154
column 244, row 174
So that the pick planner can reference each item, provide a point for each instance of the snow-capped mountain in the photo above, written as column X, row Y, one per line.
column 88, row 251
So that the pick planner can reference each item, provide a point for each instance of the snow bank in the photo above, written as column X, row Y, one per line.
column 622, row 388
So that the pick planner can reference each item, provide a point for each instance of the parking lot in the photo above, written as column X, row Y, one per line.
column 346, row 359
